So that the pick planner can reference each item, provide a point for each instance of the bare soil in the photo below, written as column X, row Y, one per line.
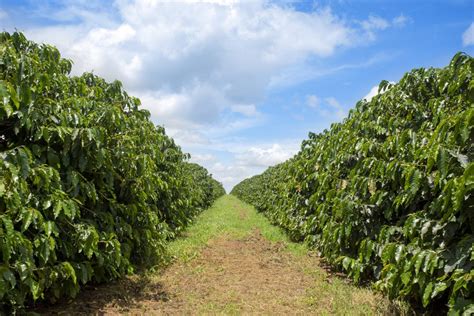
column 243, row 276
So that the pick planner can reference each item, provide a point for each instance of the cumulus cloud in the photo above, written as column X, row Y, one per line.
column 328, row 107
column 203, row 67
column 336, row 108
column 203, row 158
column 372, row 93
column 263, row 156
column 312, row 101
column 188, row 138
column 232, row 159
column 333, row 102
column 375, row 23
column 468, row 36
column 191, row 61
column 198, row 105
column 247, row 110
column 401, row 20
column 230, row 174
column 375, row 91
column 250, row 160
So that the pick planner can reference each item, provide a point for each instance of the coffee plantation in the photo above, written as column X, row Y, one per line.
column 90, row 189
column 387, row 195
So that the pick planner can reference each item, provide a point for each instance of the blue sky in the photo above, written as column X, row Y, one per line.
column 240, row 84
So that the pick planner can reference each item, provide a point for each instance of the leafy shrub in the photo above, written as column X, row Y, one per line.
column 89, row 187
column 207, row 187
column 388, row 193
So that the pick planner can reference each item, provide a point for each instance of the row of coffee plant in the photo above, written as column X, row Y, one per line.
column 90, row 189
column 387, row 195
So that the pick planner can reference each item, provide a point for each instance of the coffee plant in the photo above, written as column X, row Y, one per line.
column 207, row 188
column 90, row 189
column 387, row 195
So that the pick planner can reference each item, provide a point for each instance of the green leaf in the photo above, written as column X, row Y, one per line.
column 388, row 252
column 427, row 294
column 418, row 261
column 53, row 159
column 35, row 289
column 14, row 96
column 46, row 134
column 413, row 181
column 398, row 252
column 443, row 161
column 439, row 287
column 27, row 215
column 49, row 228
column 469, row 310
column 8, row 276
column 58, row 206
column 24, row 162
column 8, row 110
column 406, row 277
column 460, row 283
column 346, row 263
column 23, row 271
column 69, row 271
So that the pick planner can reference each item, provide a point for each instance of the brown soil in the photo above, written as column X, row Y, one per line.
column 248, row 276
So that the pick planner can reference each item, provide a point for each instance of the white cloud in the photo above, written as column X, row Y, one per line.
column 401, row 20
column 333, row 102
column 198, row 105
column 188, row 137
column 230, row 174
column 247, row 110
column 199, row 59
column 203, row 158
column 202, row 67
column 250, row 160
column 312, row 101
column 468, row 36
column 337, row 110
column 375, row 23
column 328, row 107
column 375, row 91
column 264, row 156
column 194, row 62
column 372, row 93
column 234, row 159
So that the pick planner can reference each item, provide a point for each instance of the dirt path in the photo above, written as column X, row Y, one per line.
column 242, row 276
column 231, row 275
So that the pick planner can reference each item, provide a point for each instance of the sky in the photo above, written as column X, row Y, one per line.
column 240, row 84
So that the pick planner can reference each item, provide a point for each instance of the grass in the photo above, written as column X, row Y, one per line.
column 232, row 217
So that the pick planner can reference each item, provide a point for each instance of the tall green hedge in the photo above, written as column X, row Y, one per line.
column 89, row 187
column 208, row 188
column 387, row 194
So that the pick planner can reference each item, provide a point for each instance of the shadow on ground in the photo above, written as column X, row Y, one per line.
column 121, row 296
